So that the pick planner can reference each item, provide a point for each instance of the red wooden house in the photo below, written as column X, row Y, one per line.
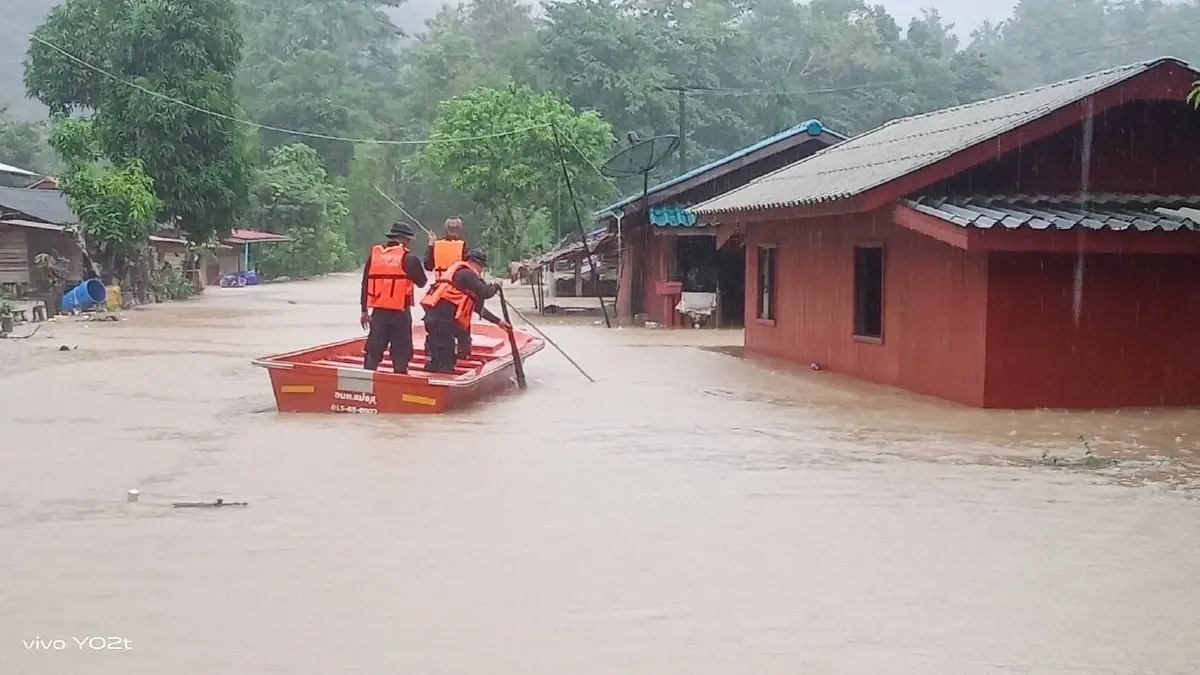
column 665, row 252
column 1035, row 250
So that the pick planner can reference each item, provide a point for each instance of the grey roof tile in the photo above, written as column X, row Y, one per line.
column 905, row 145
column 1040, row 212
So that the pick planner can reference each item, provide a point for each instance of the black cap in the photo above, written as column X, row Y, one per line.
column 477, row 256
column 400, row 230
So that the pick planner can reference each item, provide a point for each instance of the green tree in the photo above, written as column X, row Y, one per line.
column 22, row 143
column 293, row 196
column 185, row 52
column 115, row 204
column 326, row 67
column 511, row 176
column 1050, row 40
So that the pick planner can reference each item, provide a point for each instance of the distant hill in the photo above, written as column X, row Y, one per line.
column 28, row 14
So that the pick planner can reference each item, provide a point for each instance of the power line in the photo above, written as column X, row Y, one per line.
column 256, row 125
column 715, row 91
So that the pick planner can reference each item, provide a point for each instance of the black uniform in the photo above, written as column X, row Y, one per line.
column 462, row 336
column 440, row 326
column 389, row 326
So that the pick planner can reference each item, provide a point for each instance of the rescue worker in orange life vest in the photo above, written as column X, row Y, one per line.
column 443, row 253
column 389, row 279
column 450, row 303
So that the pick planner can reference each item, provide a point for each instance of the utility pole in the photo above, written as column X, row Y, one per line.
column 683, row 163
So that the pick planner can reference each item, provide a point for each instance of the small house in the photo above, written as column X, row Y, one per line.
column 1040, row 249
column 34, row 222
column 234, row 254
column 667, row 257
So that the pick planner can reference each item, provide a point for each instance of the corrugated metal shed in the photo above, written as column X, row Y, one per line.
column 1043, row 212
column 563, row 251
column 14, row 255
column 46, row 205
column 902, row 146
column 672, row 216
column 813, row 128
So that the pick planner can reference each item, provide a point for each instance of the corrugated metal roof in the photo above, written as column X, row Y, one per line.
column 675, row 215
column 242, row 236
column 16, row 222
column 48, row 205
column 813, row 128
column 1041, row 212
column 8, row 168
column 902, row 146
column 594, row 240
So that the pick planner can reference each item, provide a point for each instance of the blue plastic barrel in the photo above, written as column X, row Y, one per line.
column 250, row 277
column 90, row 292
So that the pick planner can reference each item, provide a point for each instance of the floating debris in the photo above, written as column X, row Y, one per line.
column 132, row 496
column 207, row 505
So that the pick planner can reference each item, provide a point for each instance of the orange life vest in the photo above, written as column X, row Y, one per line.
column 446, row 252
column 444, row 289
column 388, row 287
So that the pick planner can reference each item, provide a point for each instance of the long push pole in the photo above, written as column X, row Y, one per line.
column 544, row 337
column 512, row 342
column 396, row 204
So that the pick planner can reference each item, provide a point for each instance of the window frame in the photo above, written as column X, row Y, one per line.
column 760, row 250
column 854, row 307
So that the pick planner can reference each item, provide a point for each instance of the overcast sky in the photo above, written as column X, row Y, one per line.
column 966, row 15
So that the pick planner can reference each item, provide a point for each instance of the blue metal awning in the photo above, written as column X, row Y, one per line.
column 674, row 215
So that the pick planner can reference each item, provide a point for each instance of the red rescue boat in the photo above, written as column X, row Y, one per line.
column 331, row 378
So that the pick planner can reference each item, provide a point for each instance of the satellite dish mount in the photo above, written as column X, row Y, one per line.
column 641, row 157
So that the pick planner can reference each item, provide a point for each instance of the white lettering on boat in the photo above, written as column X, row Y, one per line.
column 368, row 399
column 336, row 407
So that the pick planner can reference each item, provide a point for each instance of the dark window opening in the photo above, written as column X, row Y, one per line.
column 766, row 282
column 868, row 292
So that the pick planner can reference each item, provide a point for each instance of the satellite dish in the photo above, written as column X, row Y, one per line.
column 641, row 157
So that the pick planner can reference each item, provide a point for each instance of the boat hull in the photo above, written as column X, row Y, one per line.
column 331, row 378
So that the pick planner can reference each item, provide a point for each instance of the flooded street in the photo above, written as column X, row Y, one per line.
column 691, row 512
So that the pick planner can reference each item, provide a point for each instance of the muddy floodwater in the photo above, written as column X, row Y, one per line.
column 692, row 512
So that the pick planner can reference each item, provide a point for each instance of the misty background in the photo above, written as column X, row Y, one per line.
column 411, row 17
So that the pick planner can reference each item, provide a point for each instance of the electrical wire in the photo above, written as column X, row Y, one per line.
column 256, row 125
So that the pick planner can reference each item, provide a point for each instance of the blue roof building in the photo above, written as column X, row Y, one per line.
column 666, row 252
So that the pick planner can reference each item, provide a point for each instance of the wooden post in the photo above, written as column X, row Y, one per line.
column 579, row 278
column 541, row 290
column 716, row 318
column 625, row 287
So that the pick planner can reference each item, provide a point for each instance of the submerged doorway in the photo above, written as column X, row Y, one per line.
column 702, row 268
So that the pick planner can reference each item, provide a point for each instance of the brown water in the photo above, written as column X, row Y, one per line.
column 691, row 512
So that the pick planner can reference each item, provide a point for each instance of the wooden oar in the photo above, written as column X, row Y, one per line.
column 512, row 341
column 545, row 337
column 410, row 216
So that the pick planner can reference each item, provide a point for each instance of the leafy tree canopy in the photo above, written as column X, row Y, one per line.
column 116, row 204
column 22, row 143
column 531, row 137
column 293, row 196
column 187, row 51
